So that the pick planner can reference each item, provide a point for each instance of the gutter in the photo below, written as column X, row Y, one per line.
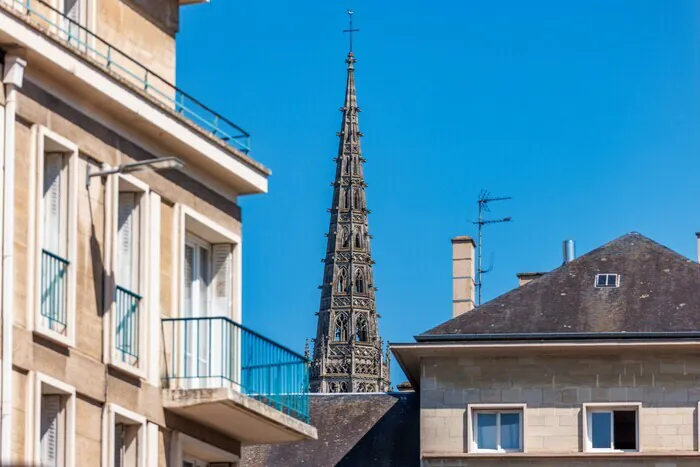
column 13, row 75
column 557, row 336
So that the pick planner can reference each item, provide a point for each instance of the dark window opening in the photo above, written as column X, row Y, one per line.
column 625, row 430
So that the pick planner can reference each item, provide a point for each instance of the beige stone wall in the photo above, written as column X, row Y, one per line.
column 555, row 387
column 142, row 29
column 83, row 366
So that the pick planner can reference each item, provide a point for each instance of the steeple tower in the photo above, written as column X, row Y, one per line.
column 348, row 353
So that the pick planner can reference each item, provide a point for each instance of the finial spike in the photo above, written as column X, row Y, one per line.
column 350, row 30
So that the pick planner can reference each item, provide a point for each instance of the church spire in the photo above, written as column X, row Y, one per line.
column 348, row 351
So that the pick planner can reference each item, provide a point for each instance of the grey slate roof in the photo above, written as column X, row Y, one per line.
column 369, row 430
column 659, row 292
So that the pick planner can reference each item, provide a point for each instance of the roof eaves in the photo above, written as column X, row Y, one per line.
column 562, row 336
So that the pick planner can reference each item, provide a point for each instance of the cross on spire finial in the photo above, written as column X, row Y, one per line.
column 350, row 30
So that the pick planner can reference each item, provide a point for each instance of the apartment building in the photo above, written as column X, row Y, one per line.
column 592, row 364
column 122, row 343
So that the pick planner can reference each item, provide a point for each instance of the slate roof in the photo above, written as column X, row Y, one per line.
column 369, row 430
column 659, row 292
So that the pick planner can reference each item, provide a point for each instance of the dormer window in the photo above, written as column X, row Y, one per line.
column 607, row 280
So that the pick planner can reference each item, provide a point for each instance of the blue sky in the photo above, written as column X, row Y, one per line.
column 587, row 113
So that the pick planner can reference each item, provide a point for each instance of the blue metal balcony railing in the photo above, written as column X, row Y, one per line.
column 215, row 352
column 54, row 291
column 130, row 70
column 127, row 326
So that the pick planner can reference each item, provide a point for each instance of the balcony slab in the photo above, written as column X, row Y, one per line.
column 237, row 415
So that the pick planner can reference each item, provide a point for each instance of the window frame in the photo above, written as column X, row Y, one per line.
column 474, row 409
column 70, row 177
column 142, row 267
column 37, row 382
column 193, row 223
column 111, row 412
column 593, row 407
column 607, row 275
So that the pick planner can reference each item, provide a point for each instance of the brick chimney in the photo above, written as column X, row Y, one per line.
column 462, row 275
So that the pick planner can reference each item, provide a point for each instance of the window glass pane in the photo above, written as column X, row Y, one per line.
column 625, row 426
column 601, row 436
column 510, row 430
column 486, row 430
column 610, row 280
column 601, row 280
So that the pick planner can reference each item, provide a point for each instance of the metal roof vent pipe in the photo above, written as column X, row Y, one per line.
column 569, row 251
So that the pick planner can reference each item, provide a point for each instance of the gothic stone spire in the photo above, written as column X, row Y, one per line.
column 348, row 353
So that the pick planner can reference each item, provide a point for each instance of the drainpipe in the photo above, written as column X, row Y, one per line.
column 13, row 75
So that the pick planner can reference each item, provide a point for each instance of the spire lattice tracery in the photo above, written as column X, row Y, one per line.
column 348, row 352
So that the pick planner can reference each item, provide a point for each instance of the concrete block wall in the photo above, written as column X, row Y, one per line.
column 554, row 389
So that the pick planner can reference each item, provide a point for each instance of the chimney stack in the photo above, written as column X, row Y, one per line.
column 569, row 251
column 697, row 235
column 462, row 275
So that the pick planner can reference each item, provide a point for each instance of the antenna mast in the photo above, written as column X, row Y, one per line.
column 483, row 202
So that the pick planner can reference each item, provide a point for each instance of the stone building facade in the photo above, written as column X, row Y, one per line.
column 591, row 364
column 121, row 273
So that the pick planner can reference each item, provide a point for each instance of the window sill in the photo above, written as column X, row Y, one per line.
column 128, row 369
column 64, row 341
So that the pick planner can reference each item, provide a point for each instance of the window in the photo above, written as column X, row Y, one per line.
column 611, row 428
column 358, row 238
column 496, row 428
column 359, row 282
column 341, row 327
column 357, row 199
column 56, row 194
column 127, row 322
column 54, row 263
column 607, row 280
column 361, row 328
column 345, row 238
column 54, row 422
column 347, row 203
column 126, row 437
column 341, row 281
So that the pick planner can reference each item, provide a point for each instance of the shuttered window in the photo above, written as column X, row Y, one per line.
column 72, row 10
column 51, row 431
column 128, row 241
column 223, row 278
column 54, row 205
column 119, row 445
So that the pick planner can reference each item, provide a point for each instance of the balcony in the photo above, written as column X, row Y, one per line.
column 127, row 326
column 234, row 380
column 54, row 292
column 69, row 55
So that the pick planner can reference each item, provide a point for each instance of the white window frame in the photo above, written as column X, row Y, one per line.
column 144, row 269
column 111, row 413
column 607, row 274
column 55, row 386
column 194, row 223
column 474, row 409
column 70, row 177
column 589, row 408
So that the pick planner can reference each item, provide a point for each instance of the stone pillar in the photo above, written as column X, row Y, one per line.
column 462, row 275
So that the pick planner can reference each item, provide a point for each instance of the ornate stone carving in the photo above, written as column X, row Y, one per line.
column 347, row 359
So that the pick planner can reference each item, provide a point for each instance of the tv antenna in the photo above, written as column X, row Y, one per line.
column 484, row 199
